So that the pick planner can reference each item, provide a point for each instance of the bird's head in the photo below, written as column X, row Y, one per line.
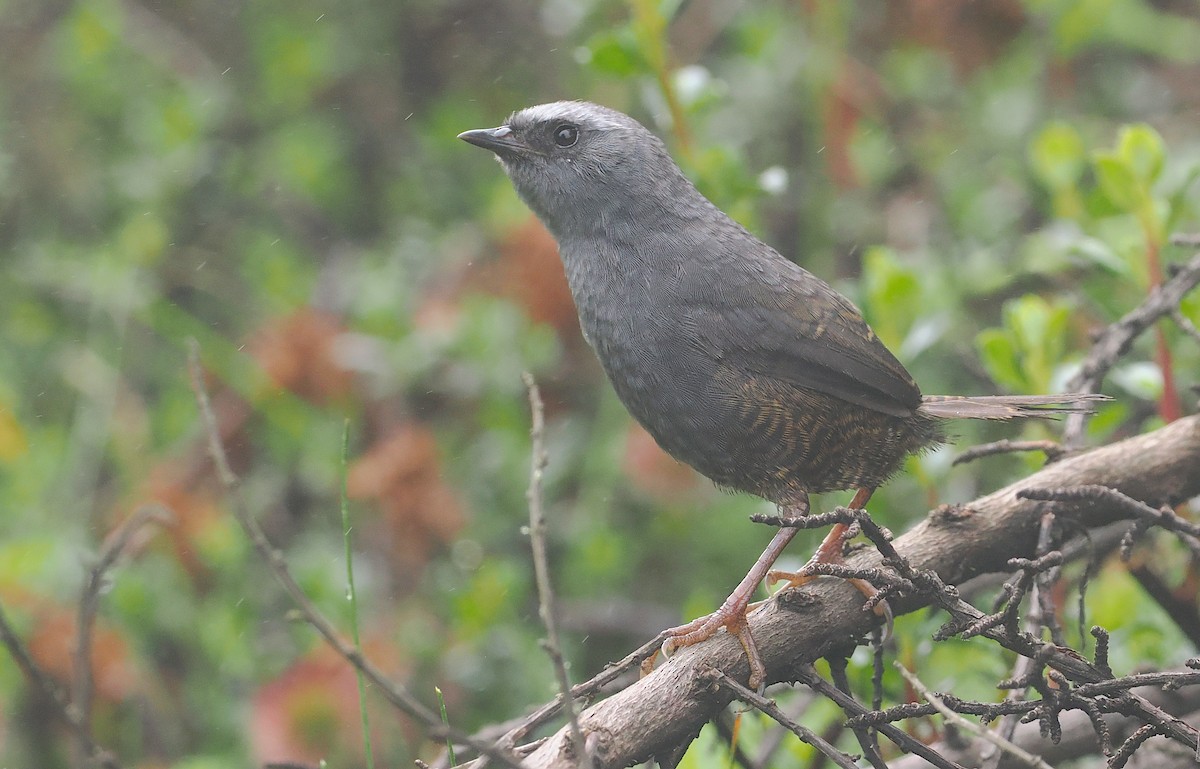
column 574, row 162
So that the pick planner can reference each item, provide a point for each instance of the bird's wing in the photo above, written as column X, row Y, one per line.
column 782, row 322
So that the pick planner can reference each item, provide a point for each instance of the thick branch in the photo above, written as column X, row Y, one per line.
column 956, row 542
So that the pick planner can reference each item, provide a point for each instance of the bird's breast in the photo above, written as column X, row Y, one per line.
column 630, row 312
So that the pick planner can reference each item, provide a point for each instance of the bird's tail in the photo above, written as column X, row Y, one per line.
column 1009, row 406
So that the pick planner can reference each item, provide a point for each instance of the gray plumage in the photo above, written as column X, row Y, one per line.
column 740, row 363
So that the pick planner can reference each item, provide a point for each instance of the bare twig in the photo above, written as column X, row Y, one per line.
column 1067, row 667
column 1084, row 734
column 38, row 677
column 541, row 565
column 1167, row 679
column 1043, row 613
column 1052, row 449
column 1115, row 340
column 586, row 690
column 50, row 690
column 77, row 712
column 1024, row 666
column 89, row 603
column 866, row 736
column 1185, row 325
column 1126, row 751
column 393, row 692
column 759, row 702
column 772, row 740
column 967, row 725
column 808, row 676
column 1164, row 517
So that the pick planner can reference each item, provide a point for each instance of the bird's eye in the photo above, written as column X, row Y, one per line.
column 566, row 135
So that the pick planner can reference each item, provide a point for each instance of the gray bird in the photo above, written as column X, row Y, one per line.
column 743, row 365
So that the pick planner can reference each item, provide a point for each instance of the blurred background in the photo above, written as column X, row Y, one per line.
column 281, row 182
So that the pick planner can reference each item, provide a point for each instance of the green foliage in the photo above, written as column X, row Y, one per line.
column 1025, row 352
column 892, row 295
column 1126, row 199
column 281, row 182
column 1058, row 157
column 1127, row 174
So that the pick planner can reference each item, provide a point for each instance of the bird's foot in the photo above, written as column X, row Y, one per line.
column 731, row 616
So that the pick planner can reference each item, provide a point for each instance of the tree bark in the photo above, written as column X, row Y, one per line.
column 957, row 542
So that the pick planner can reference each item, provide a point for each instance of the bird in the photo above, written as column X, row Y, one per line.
column 739, row 362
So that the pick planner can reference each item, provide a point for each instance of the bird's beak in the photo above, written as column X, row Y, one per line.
column 500, row 140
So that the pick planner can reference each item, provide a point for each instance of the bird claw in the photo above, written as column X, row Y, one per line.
column 732, row 617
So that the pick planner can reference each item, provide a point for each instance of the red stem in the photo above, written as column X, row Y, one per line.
column 1169, row 407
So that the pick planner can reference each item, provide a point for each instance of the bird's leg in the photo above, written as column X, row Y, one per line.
column 732, row 614
column 831, row 550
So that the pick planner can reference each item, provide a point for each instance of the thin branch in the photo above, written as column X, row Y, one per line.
column 1126, row 751
column 1185, row 325
column 769, row 707
column 38, row 677
column 1067, row 667
column 393, row 692
column 774, row 739
column 969, row 726
column 1116, row 339
column 808, row 676
column 1158, row 719
column 1173, row 679
column 1024, row 666
column 1052, row 449
column 585, row 691
column 50, row 690
column 1164, row 517
column 89, row 603
column 541, row 565
column 1043, row 613
column 866, row 736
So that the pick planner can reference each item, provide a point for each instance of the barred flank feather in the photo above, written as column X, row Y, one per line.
column 1009, row 406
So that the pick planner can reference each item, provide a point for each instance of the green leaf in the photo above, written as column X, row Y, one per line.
column 1081, row 25
column 615, row 53
column 892, row 292
column 1117, row 181
column 94, row 30
column 1101, row 254
column 999, row 356
column 1181, row 201
column 1141, row 149
column 1023, row 355
column 874, row 153
column 1057, row 155
column 1039, row 329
